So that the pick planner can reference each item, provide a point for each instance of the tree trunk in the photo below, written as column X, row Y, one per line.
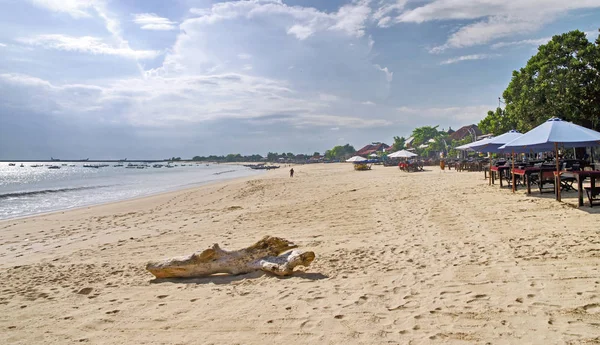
column 263, row 255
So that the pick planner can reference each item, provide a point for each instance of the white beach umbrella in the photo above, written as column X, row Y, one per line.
column 402, row 154
column 356, row 159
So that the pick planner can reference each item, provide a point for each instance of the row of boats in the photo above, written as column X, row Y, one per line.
column 261, row 166
column 49, row 166
column 97, row 166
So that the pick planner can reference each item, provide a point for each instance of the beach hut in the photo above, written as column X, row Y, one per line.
column 548, row 136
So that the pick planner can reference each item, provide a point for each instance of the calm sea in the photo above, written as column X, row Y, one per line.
column 31, row 190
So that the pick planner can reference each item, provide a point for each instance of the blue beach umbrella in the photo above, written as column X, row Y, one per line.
column 493, row 144
column 469, row 146
column 550, row 134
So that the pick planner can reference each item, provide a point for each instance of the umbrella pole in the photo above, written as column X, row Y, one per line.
column 557, row 179
column 513, row 172
column 490, row 171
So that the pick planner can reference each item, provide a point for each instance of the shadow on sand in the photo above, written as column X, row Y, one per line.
column 568, row 198
column 220, row 279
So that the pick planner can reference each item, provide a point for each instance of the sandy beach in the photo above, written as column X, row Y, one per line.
column 437, row 257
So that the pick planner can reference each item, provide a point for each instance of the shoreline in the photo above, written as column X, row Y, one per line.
column 433, row 257
column 176, row 189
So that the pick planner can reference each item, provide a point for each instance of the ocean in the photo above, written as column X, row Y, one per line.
column 30, row 190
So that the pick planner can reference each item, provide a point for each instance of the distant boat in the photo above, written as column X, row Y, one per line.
column 54, row 167
column 22, row 166
column 11, row 164
column 117, row 165
column 91, row 166
column 36, row 166
column 72, row 165
column 158, row 166
column 140, row 167
column 64, row 164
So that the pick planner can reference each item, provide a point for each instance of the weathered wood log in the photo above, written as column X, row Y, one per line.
column 263, row 255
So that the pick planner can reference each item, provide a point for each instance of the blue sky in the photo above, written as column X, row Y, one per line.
column 156, row 78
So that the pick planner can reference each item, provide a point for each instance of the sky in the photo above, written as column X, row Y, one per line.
column 162, row 78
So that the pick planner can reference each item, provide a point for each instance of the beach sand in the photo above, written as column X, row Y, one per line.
column 437, row 257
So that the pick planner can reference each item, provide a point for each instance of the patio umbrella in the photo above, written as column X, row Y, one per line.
column 402, row 154
column 492, row 145
column 356, row 159
column 469, row 146
column 547, row 137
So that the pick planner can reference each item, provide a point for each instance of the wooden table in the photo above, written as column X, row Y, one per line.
column 581, row 176
column 527, row 172
column 499, row 170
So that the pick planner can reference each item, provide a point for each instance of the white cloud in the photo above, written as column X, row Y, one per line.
column 244, row 56
column 536, row 41
column 494, row 19
column 445, row 116
column 367, row 103
column 327, row 97
column 486, row 31
column 247, row 67
column 83, row 8
column 3, row 45
column 467, row 58
column 165, row 102
column 533, row 42
column 75, row 8
column 86, row 44
column 349, row 19
column 388, row 9
column 151, row 21
column 388, row 75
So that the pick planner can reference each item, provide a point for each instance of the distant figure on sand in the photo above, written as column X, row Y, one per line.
column 292, row 172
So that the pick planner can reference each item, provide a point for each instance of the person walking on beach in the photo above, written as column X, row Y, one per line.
column 292, row 172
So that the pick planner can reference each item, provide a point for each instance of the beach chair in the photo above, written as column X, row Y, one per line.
column 545, row 179
column 567, row 180
column 593, row 195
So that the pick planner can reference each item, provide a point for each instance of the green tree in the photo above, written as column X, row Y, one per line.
column 340, row 152
column 497, row 122
column 272, row 156
column 422, row 134
column 561, row 80
column 399, row 143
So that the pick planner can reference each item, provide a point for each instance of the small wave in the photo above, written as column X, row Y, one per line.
column 46, row 191
column 224, row 172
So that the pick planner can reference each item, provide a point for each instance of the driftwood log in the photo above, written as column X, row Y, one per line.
column 263, row 255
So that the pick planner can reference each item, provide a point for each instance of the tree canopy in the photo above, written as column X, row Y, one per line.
column 340, row 152
column 561, row 80
column 399, row 143
column 422, row 134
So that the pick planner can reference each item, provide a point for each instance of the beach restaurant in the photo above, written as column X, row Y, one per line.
column 553, row 156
